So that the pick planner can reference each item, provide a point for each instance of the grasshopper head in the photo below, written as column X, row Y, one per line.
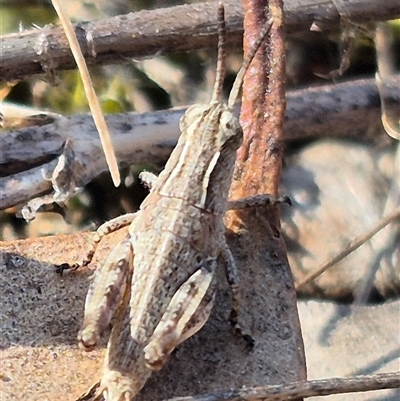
column 230, row 132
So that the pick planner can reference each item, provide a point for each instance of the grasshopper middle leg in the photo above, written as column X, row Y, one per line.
column 105, row 229
column 257, row 200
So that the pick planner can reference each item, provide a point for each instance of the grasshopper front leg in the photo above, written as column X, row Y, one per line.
column 148, row 179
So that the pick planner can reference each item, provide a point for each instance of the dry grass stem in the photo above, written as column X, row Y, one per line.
column 305, row 389
column 352, row 246
column 93, row 100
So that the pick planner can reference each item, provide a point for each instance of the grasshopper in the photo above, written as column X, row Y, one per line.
column 160, row 281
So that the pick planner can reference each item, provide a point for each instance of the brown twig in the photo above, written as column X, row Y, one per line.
column 312, row 388
column 175, row 29
column 255, row 236
column 263, row 109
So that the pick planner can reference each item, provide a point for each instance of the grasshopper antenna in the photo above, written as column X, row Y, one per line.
column 243, row 69
column 221, row 68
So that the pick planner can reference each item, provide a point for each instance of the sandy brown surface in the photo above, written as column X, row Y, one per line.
column 41, row 313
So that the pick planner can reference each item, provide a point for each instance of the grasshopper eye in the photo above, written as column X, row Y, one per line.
column 199, row 260
column 231, row 130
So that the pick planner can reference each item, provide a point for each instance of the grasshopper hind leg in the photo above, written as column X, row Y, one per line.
column 105, row 293
column 186, row 314
column 232, row 277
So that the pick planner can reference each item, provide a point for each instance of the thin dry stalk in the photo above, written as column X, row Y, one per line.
column 305, row 389
column 352, row 246
column 93, row 100
column 386, row 79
